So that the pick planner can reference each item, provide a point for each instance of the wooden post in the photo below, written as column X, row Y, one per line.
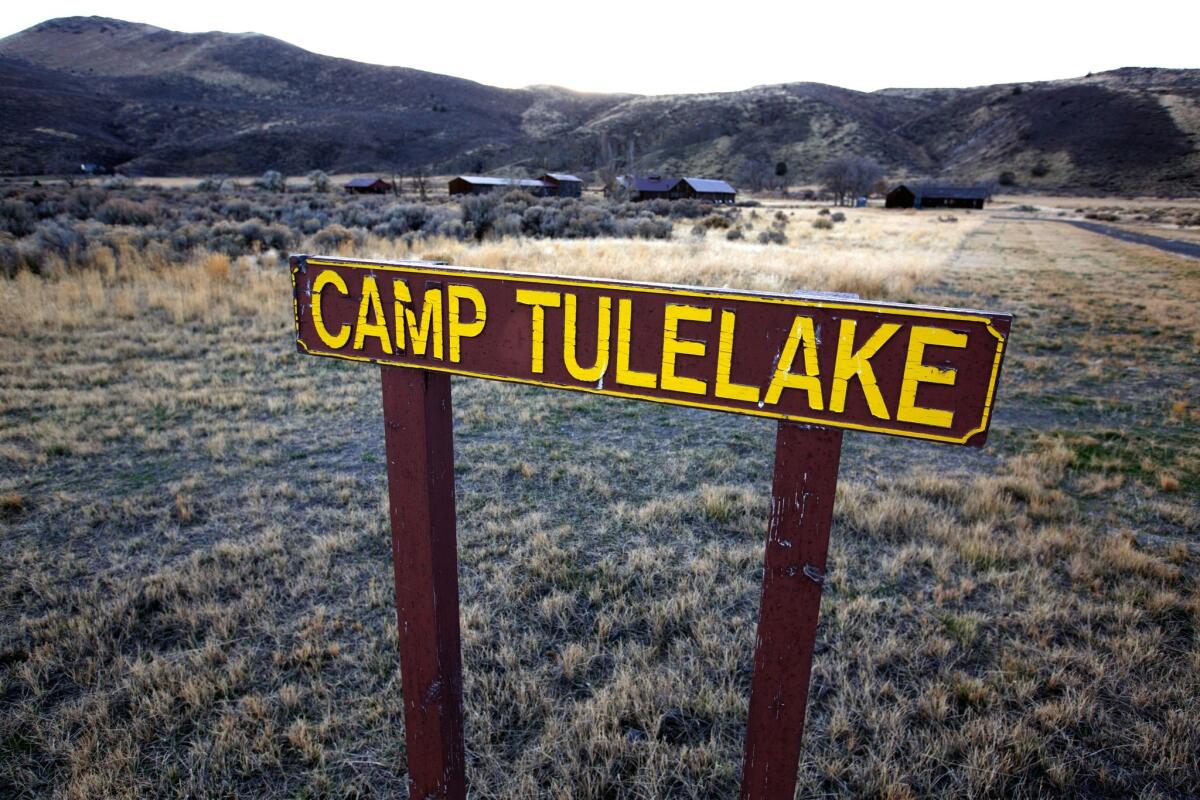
column 806, row 468
column 419, row 433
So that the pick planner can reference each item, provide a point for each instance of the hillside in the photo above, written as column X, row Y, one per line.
column 150, row 101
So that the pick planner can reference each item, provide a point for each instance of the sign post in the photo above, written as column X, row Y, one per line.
column 419, row 436
column 815, row 364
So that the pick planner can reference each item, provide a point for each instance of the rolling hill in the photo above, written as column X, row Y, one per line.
column 149, row 101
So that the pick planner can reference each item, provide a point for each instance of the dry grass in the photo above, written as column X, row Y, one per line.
column 195, row 598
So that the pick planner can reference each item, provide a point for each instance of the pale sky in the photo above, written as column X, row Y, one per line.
column 657, row 47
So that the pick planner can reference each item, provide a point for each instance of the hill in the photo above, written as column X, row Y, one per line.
column 145, row 100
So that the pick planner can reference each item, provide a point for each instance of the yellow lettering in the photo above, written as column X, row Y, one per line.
column 625, row 375
column 406, row 319
column 674, row 346
column 801, row 332
column 328, row 278
column 378, row 329
column 724, row 388
column 540, row 302
column 458, row 329
column 916, row 372
column 851, row 363
column 603, row 332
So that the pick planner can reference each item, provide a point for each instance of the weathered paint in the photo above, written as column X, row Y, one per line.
column 418, row 433
column 916, row 371
column 805, row 482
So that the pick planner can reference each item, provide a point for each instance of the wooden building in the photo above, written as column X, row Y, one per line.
column 483, row 184
column 650, row 187
column 925, row 196
column 709, row 189
column 560, row 184
column 368, row 186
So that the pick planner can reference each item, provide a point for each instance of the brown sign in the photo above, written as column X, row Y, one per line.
column 929, row 373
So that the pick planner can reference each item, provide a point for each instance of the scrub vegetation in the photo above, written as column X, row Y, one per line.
column 196, row 596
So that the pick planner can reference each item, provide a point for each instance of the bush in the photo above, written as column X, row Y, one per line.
column 272, row 181
column 117, row 182
column 83, row 202
column 1040, row 169
column 332, row 237
column 1007, row 179
column 734, row 235
column 837, row 216
column 716, row 221
column 213, row 183
column 699, row 231
column 772, row 237
column 119, row 211
column 319, row 180
column 10, row 255
column 824, row 212
column 822, row 224
column 17, row 217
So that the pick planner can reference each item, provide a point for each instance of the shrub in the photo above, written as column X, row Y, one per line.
column 119, row 211
column 117, row 182
column 59, row 239
column 319, row 180
column 822, row 224
column 699, row 231
column 734, row 234
column 1007, row 179
column 272, row 181
column 774, row 236
column 17, row 217
column 479, row 212
column 837, row 216
column 716, row 221
column 1040, row 169
column 10, row 255
column 824, row 212
column 332, row 237
column 213, row 183
column 645, row 228
column 82, row 203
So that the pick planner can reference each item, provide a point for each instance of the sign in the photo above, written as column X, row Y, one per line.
column 928, row 373
column 815, row 363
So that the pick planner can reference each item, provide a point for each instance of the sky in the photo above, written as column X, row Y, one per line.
column 672, row 47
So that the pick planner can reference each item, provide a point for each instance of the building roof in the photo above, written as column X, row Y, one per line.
column 356, row 183
column 487, row 180
column 649, row 183
column 562, row 177
column 709, row 185
column 952, row 192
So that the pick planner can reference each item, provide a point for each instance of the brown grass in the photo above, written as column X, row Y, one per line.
column 195, row 597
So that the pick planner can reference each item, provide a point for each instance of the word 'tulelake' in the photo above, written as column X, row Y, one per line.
column 915, row 371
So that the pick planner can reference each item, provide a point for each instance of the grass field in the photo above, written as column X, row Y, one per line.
column 195, row 590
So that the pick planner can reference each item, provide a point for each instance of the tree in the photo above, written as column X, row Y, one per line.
column 754, row 172
column 849, row 176
column 420, row 183
column 609, row 168
column 319, row 181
